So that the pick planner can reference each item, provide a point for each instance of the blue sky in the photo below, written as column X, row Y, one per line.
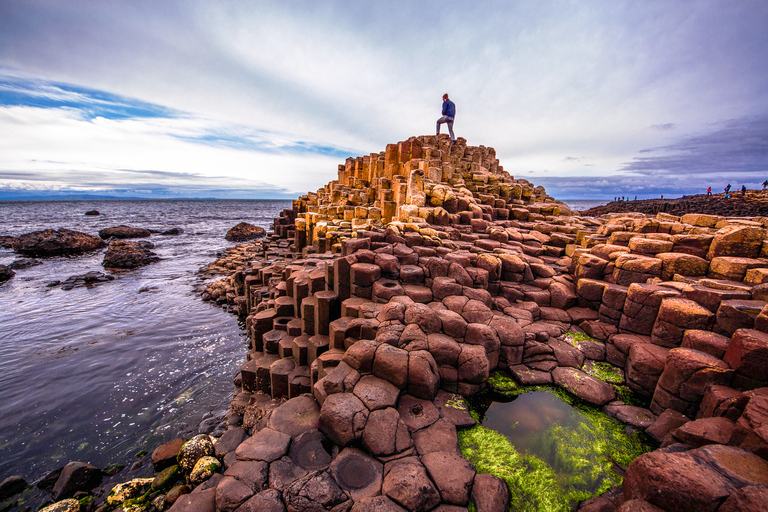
column 591, row 99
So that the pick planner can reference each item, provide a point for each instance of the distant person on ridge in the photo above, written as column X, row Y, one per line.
column 449, row 112
column 765, row 184
column 727, row 189
column 709, row 191
column 743, row 190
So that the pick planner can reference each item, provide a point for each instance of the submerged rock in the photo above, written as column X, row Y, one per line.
column 123, row 254
column 123, row 232
column 61, row 242
column 6, row 273
column 92, row 212
column 244, row 231
column 22, row 263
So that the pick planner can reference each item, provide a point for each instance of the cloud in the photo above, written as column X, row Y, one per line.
column 664, row 127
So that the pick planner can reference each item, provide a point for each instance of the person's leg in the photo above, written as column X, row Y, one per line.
column 450, row 130
column 440, row 121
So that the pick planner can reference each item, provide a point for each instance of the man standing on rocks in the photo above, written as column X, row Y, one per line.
column 449, row 112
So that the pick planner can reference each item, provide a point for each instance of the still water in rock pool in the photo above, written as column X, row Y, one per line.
column 551, row 450
column 96, row 374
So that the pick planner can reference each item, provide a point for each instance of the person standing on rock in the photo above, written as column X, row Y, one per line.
column 765, row 184
column 743, row 190
column 709, row 191
column 449, row 113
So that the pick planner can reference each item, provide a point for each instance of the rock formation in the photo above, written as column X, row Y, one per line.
column 122, row 254
column 61, row 242
column 244, row 232
column 123, row 232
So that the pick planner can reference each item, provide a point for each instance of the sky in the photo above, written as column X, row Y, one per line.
column 592, row 99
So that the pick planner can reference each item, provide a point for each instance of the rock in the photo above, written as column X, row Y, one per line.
column 172, row 232
column 204, row 469
column 123, row 232
column 357, row 473
column 311, row 450
column 231, row 493
column 742, row 241
column 229, row 441
column 68, row 505
column 747, row 354
column 127, row 490
column 583, row 386
column 267, row 445
column 705, row 431
column 417, row 413
column 76, row 476
column 265, row 501
column 11, row 486
column 6, row 273
column 376, row 393
column 752, row 498
column 314, row 492
column 92, row 212
column 635, row 416
column 439, row 437
column 166, row 478
column 376, row 504
column 199, row 501
column 489, row 493
column 199, row 446
column 665, row 423
column 452, row 473
column 243, row 232
column 165, row 454
column 454, row 409
column 385, row 433
column 342, row 418
column 62, row 242
column 638, row 506
column 22, row 263
column 284, row 472
column 121, row 254
column 254, row 474
column 406, row 482
column 295, row 416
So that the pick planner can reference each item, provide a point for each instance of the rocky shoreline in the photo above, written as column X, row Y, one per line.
column 753, row 204
column 380, row 302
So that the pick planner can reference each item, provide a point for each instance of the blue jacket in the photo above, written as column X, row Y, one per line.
column 449, row 109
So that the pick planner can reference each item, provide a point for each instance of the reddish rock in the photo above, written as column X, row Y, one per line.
column 76, row 476
column 752, row 498
column 489, row 493
column 747, row 353
column 406, row 482
column 676, row 315
column 453, row 475
column 342, row 418
column 200, row 501
column 122, row 254
column 666, row 422
column 316, row 491
column 231, row 493
column 357, row 473
column 265, row 445
column 704, row 431
column 376, row 393
column 165, row 454
column 385, row 433
column 265, row 501
column 243, row 232
column 706, row 341
column 583, row 386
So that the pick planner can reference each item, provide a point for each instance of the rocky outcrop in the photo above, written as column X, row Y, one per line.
column 61, row 242
column 243, row 232
column 6, row 273
column 123, row 255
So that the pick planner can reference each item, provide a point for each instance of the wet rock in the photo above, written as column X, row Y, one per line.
column 199, row 446
column 454, row 409
column 68, row 505
column 406, row 482
column 228, row 442
column 376, row 504
column 11, row 486
column 204, row 469
column 22, row 263
column 92, row 212
column 357, row 473
column 76, row 476
column 122, row 254
column 6, row 273
column 172, row 232
column 62, row 242
column 165, row 478
column 127, row 490
column 583, row 386
column 243, row 232
column 704, row 431
column 165, row 454
column 636, row 416
column 123, row 232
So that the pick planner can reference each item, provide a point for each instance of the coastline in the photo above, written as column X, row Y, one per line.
column 382, row 299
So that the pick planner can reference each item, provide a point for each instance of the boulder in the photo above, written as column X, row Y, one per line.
column 11, row 486
column 489, row 493
column 747, row 354
column 165, row 454
column 231, row 493
column 6, row 273
column 342, row 418
column 199, row 446
column 61, row 242
column 76, row 476
column 736, row 240
column 265, row 445
column 676, row 315
column 376, row 393
column 243, row 232
column 385, row 433
column 452, row 474
column 122, row 254
column 123, row 232
column 583, row 386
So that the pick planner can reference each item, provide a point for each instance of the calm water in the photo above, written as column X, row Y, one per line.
column 584, row 204
column 98, row 374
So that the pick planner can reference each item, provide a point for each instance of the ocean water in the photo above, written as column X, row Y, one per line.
column 98, row 374
column 584, row 204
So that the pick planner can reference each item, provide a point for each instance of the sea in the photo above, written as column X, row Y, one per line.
column 102, row 373
column 99, row 374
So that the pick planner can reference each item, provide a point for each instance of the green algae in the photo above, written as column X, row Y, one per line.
column 582, row 456
column 605, row 372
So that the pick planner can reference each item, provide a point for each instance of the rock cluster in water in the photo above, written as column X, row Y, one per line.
column 384, row 298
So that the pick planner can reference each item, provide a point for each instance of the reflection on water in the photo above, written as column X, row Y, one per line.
column 98, row 374
column 551, row 450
